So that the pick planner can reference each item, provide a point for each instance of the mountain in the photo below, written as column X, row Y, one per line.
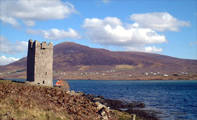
column 74, row 61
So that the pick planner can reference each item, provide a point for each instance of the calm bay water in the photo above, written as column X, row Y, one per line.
column 176, row 100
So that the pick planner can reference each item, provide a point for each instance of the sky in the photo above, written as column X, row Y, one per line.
column 167, row 27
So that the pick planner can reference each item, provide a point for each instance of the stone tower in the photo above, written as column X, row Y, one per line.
column 40, row 63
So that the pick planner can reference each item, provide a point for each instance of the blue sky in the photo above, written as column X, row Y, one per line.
column 167, row 27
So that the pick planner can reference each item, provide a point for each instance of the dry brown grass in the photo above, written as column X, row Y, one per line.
column 19, row 106
column 83, row 68
column 124, row 67
column 21, row 101
column 9, row 109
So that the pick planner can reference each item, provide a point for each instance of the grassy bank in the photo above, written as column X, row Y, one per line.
column 22, row 101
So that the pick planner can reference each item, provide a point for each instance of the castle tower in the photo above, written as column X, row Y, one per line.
column 40, row 63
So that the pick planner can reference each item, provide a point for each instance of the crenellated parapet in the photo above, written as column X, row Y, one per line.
column 42, row 45
column 30, row 44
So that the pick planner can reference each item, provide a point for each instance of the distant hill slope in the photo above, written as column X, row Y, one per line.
column 70, row 56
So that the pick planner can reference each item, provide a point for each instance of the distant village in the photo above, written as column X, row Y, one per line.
column 103, row 73
column 106, row 73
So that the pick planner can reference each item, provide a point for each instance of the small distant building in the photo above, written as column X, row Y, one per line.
column 165, row 75
column 146, row 73
column 40, row 63
column 130, row 75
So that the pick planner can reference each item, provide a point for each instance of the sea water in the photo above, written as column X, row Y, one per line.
column 173, row 99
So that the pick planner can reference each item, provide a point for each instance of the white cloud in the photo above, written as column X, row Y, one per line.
column 9, row 20
column 8, row 47
column 6, row 60
column 29, row 22
column 56, row 34
column 31, row 10
column 150, row 49
column 159, row 21
column 153, row 49
column 111, row 31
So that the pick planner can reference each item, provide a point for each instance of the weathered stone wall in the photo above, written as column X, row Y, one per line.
column 30, row 61
column 40, row 63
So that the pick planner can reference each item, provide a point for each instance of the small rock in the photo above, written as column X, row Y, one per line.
column 103, row 110
column 96, row 99
column 103, row 114
column 99, row 105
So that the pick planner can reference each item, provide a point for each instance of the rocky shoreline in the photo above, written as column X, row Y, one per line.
column 24, row 101
column 128, row 107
